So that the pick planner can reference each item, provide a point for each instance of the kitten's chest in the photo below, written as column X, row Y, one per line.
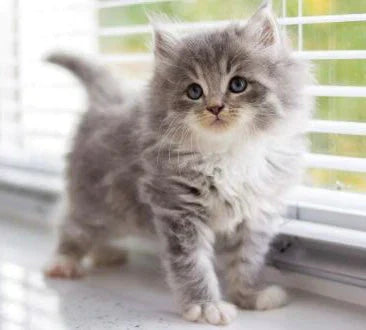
column 228, row 195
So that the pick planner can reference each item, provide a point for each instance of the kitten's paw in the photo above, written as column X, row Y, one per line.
column 268, row 298
column 271, row 297
column 64, row 267
column 217, row 313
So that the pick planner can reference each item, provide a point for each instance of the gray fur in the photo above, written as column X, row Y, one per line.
column 155, row 165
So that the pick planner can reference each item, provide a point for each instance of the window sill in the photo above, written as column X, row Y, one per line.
column 135, row 296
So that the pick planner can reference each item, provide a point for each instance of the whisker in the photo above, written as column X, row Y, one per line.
column 168, row 132
column 172, row 139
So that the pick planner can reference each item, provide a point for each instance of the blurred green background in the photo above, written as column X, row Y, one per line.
column 329, row 36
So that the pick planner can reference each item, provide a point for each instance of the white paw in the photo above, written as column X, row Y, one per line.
column 217, row 313
column 271, row 297
column 64, row 267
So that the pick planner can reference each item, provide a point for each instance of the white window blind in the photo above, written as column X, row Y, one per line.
column 40, row 104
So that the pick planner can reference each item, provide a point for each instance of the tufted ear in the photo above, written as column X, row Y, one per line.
column 164, row 41
column 164, row 44
column 262, row 27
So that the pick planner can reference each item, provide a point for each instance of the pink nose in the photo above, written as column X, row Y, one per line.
column 216, row 109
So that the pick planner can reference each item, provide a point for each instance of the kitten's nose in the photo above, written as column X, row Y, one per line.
column 215, row 109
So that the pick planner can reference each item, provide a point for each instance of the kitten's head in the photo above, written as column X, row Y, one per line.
column 239, row 77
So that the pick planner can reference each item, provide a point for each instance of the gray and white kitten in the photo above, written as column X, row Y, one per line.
column 201, row 160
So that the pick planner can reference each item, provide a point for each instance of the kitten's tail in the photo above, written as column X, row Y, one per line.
column 101, row 86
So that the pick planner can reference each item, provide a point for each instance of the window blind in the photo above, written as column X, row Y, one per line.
column 40, row 105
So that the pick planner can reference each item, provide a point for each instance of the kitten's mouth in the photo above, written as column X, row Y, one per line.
column 217, row 121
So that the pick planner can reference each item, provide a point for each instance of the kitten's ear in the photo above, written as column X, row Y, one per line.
column 164, row 41
column 164, row 44
column 262, row 27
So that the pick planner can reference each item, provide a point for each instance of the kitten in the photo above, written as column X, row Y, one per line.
column 201, row 159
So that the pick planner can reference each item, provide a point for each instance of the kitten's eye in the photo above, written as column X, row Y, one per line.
column 237, row 84
column 194, row 91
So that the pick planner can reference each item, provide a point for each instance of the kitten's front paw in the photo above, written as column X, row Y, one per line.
column 270, row 297
column 64, row 267
column 217, row 313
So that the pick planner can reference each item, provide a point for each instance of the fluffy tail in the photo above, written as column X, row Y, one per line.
column 101, row 87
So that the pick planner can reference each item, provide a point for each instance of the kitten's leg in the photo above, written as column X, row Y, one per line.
column 108, row 255
column 242, row 254
column 191, row 275
column 75, row 241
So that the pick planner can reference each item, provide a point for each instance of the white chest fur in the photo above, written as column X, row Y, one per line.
column 232, row 195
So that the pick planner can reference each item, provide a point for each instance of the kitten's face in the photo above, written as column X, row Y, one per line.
column 216, row 86
column 220, row 81
column 215, row 91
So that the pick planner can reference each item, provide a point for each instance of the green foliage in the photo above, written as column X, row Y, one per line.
column 190, row 11
column 336, row 180
column 341, row 108
column 337, row 144
column 341, row 72
column 135, row 43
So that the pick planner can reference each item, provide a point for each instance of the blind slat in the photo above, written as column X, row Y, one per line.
column 341, row 163
column 338, row 127
column 332, row 54
column 146, row 28
column 325, row 233
column 322, row 19
column 328, row 198
column 337, row 91
column 123, row 3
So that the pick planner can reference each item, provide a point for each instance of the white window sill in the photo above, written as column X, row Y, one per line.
column 131, row 297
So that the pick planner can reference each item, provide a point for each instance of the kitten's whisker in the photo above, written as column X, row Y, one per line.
column 180, row 142
column 161, row 141
column 164, row 121
column 167, row 133
column 171, row 141
column 184, row 137
column 172, row 138
column 193, row 154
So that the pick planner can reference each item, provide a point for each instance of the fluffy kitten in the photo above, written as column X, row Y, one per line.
column 201, row 159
